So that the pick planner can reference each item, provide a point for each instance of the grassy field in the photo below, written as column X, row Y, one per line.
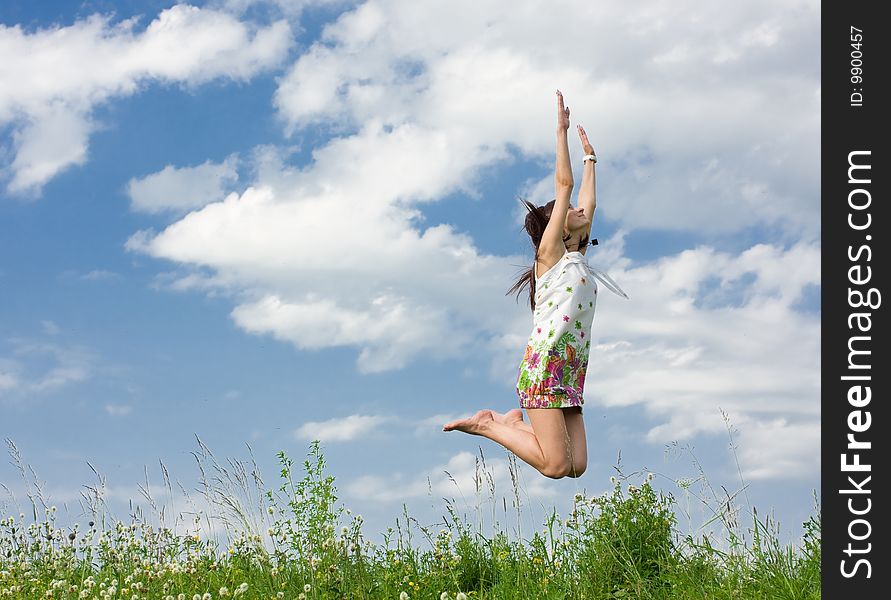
column 620, row 545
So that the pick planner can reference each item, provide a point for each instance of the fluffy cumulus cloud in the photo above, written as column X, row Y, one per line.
column 340, row 429
column 183, row 189
column 60, row 73
column 716, row 137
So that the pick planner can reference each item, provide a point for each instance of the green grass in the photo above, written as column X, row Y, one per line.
column 620, row 545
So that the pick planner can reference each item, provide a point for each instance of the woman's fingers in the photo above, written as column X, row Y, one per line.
column 585, row 143
column 562, row 111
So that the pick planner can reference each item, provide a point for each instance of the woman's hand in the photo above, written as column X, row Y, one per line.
column 562, row 113
column 586, row 145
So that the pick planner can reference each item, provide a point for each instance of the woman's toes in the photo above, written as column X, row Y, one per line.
column 473, row 424
column 452, row 424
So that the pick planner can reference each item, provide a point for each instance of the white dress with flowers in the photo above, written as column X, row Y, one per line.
column 552, row 372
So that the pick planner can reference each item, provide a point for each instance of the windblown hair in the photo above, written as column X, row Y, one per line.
column 537, row 219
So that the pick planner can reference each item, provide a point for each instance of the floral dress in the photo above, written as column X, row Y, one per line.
column 552, row 372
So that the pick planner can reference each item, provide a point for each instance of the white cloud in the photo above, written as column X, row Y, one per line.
column 340, row 429
column 59, row 377
column 183, row 189
column 34, row 367
column 55, row 76
column 53, row 137
column 67, row 364
column 778, row 448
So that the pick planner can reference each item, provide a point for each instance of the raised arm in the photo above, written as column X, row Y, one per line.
column 588, row 192
column 551, row 247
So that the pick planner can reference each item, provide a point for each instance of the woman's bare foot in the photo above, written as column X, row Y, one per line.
column 473, row 425
column 511, row 417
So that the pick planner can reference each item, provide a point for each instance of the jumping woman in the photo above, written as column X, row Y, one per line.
column 563, row 297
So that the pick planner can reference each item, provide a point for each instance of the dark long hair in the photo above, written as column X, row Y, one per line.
column 537, row 219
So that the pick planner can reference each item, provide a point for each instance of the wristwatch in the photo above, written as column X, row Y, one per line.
column 591, row 157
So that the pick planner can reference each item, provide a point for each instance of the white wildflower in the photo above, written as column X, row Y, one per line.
column 307, row 588
column 461, row 596
column 403, row 596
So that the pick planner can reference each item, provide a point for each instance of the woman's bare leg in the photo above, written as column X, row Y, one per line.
column 575, row 427
column 546, row 447
column 550, row 428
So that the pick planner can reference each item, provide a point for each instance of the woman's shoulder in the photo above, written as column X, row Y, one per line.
column 548, row 257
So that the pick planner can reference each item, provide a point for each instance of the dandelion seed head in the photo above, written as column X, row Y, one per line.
column 307, row 588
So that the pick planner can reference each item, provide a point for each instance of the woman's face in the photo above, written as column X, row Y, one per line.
column 576, row 219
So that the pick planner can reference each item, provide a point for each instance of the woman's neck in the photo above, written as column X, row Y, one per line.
column 573, row 241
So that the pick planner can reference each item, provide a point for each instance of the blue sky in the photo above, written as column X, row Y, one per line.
column 259, row 222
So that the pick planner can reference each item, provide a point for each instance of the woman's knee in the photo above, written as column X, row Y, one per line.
column 557, row 468
column 578, row 468
column 560, row 468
